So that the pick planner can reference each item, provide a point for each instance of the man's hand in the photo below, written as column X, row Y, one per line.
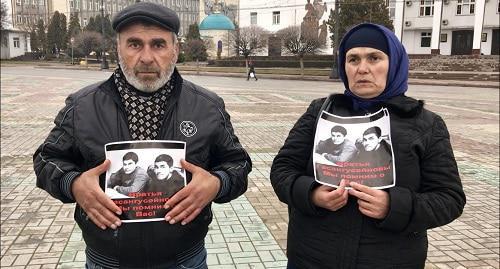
column 99, row 207
column 371, row 202
column 187, row 203
column 329, row 197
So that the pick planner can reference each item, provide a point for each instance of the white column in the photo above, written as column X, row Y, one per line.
column 436, row 26
column 478, row 26
column 399, row 19
column 28, row 42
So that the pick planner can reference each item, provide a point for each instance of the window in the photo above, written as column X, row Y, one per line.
column 71, row 4
column 425, row 39
column 19, row 19
column 276, row 17
column 444, row 38
column 253, row 17
column 484, row 37
column 465, row 7
column 85, row 21
column 17, row 44
column 498, row 7
column 426, row 7
column 391, row 6
column 18, row 2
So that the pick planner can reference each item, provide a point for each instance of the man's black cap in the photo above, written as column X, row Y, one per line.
column 147, row 12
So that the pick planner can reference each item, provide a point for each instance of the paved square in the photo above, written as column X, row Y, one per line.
column 38, row 231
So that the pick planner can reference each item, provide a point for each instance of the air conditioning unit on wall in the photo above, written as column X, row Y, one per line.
column 445, row 22
column 446, row 2
column 407, row 23
column 408, row 3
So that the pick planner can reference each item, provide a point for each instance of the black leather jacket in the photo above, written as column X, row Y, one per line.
column 428, row 194
column 95, row 116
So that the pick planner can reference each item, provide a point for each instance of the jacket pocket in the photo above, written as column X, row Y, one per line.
column 104, row 241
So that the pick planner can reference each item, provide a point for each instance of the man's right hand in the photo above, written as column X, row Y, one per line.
column 99, row 207
column 330, row 198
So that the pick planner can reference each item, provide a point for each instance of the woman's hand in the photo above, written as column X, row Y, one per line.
column 329, row 197
column 371, row 202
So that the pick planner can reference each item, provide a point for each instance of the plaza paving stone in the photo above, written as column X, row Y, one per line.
column 38, row 231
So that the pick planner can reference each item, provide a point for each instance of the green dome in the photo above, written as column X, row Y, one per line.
column 216, row 21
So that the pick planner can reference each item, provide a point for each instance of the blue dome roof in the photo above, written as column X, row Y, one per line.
column 216, row 21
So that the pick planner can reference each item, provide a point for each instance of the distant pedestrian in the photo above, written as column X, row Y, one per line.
column 251, row 71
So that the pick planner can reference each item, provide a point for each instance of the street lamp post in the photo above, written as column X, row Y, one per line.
column 72, row 41
column 104, row 63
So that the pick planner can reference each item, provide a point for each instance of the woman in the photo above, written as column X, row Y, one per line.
column 364, row 227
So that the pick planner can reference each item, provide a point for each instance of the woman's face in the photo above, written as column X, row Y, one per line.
column 366, row 70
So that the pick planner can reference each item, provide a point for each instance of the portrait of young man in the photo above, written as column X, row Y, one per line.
column 130, row 178
column 337, row 148
column 164, row 177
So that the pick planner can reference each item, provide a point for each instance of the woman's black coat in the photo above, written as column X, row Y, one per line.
column 428, row 194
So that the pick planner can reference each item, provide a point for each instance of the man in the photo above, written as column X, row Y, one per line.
column 145, row 99
column 377, row 152
column 251, row 71
column 130, row 178
column 375, row 149
column 164, row 177
column 337, row 148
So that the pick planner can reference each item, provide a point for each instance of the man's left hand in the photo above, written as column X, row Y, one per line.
column 371, row 202
column 187, row 203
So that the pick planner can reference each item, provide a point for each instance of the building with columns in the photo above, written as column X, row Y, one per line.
column 25, row 13
column 447, row 27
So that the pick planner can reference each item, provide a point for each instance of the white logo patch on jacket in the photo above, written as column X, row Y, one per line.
column 188, row 128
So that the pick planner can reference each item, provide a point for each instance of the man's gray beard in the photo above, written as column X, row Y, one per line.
column 150, row 86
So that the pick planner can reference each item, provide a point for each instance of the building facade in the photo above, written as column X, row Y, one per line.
column 217, row 24
column 25, row 13
column 276, row 15
column 447, row 27
column 14, row 43
column 229, row 8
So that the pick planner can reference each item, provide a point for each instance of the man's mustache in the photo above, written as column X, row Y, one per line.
column 146, row 69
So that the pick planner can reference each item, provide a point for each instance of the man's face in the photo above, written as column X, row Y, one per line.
column 147, row 56
column 162, row 170
column 129, row 166
column 371, row 142
column 337, row 138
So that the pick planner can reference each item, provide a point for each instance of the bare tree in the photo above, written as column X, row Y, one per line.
column 88, row 41
column 249, row 40
column 299, row 45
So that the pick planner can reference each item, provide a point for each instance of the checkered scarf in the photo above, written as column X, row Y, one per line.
column 144, row 111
